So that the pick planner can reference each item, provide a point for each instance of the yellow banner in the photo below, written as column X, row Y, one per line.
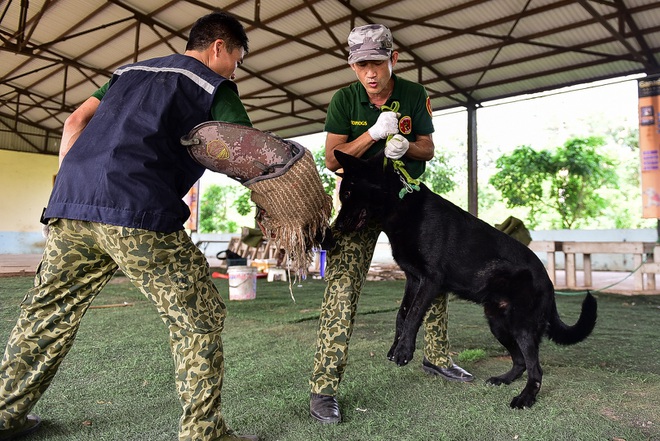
column 649, row 144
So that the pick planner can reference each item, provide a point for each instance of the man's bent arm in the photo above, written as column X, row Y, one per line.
column 75, row 124
column 422, row 149
column 356, row 148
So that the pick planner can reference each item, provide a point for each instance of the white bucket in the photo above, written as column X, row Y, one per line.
column 242, row 282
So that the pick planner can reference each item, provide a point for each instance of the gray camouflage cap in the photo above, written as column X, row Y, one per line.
column 368, row 43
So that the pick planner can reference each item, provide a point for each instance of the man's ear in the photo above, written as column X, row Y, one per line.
column 218, row 46
column 394, row 58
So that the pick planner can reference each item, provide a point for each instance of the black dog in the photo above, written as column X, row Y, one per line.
column 444, row 249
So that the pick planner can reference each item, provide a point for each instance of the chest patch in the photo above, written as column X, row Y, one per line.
column 405, row 125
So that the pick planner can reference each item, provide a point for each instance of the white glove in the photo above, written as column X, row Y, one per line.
column 396, row 147
column 386, row 124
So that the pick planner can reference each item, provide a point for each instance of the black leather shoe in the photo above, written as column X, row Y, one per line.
column 31, row 424
column 324, row 408
column 451, row 373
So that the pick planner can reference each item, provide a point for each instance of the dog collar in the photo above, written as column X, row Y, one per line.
column 409, row 184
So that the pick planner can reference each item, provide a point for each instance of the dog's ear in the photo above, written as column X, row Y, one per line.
column 378, row 157
column 340, row 156
column 381, row 163
column 346, row 160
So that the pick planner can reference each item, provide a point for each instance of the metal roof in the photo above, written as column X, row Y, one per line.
column 55, row 53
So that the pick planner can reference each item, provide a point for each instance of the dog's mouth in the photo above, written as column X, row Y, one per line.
column 356, row 222
column 362, row 220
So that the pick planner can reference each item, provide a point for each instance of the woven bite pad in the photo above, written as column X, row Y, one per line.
column 296, row 209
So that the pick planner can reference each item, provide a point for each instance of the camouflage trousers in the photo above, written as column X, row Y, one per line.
column 79, row 259
column 347, row 267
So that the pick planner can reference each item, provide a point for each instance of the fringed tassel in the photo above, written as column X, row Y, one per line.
column 296, row 211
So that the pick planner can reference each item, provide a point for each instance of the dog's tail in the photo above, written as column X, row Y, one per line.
column 563, row 334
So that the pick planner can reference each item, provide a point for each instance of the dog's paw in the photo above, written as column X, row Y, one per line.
column 402, row 355
column 390, row 353
column 523, row 400
column 401, row 361
column 497, row 381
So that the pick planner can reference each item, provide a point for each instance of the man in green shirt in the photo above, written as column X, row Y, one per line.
column 378, row 112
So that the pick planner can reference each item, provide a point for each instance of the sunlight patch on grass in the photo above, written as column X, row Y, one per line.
column 471, row 355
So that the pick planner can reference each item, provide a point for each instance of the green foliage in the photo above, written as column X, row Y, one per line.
column 328, row 178
column 624, row 136
column 565, row 184
column 213, row 208
column 243, row 203
column 439, row 174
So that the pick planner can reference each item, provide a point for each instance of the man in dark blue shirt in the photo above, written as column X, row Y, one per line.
column 117, row 204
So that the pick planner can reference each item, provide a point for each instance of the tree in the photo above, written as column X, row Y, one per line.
column 328, row 178
column 439, row 174
column 213, row 208
column 564, row 184
column 243, row 203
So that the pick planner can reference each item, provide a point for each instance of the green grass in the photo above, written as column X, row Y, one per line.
column 117, row 382
column 471, row 355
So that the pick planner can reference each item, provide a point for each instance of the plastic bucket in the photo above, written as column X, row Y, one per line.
column 242, row 282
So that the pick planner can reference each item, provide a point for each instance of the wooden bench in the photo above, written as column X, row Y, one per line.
column 651, row 267
column 639, row 251
column 550, row 247
column 265, row 250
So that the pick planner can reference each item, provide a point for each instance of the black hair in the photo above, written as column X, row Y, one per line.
column 214, row 26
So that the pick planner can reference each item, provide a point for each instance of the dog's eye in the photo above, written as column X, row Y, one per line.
column 346, row 194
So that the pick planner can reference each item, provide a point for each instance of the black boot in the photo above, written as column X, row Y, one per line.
column 324, row 408
column 32, row 423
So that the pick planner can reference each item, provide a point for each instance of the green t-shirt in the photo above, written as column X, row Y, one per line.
column 227, row 105
column 351, row 113
column 100, row 93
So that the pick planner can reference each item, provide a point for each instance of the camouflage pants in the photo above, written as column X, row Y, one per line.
column 79, row 259
column 347, row 267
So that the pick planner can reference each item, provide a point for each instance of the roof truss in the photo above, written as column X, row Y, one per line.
column 57, row 52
